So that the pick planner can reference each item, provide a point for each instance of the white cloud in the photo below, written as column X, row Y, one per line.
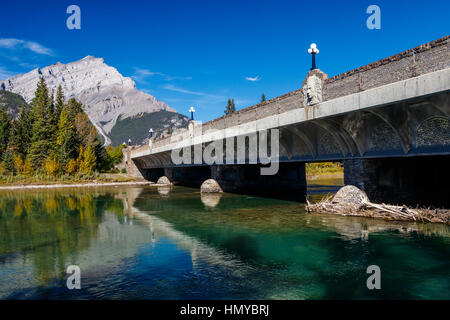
column 141, row 74
column 253, row 79
column 181, row 90
column 11, row 43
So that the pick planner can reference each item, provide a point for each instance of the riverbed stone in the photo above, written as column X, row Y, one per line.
column 350, row 194
column 163, row 180
column 210, row 186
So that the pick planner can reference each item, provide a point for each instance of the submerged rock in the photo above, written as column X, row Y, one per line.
column 163, row 180
column 210, row 186
column 350, row 194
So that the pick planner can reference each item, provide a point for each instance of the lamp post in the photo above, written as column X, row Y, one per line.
column 151, row 132
column 313, row 51
column 192, row 110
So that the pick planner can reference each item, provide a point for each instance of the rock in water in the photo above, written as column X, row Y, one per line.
column 210, row 186
column 350, row 194
column 163, row 180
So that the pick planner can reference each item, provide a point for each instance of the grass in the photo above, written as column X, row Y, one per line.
column 39, row 179
column 320, row 169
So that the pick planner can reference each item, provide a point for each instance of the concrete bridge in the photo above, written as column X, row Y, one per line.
column 389, row 122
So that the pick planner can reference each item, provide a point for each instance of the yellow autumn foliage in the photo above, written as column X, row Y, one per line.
column 52, row 167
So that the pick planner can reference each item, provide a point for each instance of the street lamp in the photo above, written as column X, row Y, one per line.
column 151, row 132
column 313, row 51
column 192, row 110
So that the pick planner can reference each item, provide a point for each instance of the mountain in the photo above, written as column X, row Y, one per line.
column 12, row 102
column 108, row 97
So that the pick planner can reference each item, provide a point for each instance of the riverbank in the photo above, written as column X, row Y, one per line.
column 324, row 170
column 76, row 185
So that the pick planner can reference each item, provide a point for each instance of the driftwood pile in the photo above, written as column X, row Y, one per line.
column 357, row 204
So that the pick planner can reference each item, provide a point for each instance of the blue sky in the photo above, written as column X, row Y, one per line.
column 203, row 52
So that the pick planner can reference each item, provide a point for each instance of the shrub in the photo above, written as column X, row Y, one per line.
column 52, row 167
column 27, row 167
column 124, row 170
column 18, row 163
column 72, row 167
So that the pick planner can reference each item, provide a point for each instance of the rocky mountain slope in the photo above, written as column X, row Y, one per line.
column 108, row 97
column 12, row 102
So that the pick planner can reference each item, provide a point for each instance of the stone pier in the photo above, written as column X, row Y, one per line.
column 407, row 180
column 289, row 183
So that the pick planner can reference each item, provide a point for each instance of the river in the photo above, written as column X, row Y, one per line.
column 174, row 243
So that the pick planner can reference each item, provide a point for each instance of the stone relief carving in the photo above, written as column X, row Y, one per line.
column 312, row 91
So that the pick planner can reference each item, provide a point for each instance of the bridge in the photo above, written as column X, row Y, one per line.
column 387, row 121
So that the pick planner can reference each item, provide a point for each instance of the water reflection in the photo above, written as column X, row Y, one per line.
column 164, row 190
column 210, row 200
column 49, row 227
column 147, row 242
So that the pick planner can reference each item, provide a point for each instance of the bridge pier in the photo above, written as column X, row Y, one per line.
column 423, row 181
column 289, row 183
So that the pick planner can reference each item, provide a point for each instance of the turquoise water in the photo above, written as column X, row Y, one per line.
column 174, row 243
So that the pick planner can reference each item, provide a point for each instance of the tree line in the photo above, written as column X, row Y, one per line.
column 231, row 106
column 52, row 137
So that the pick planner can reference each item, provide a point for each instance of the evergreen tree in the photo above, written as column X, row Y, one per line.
column 80, row 157
column 263, row 98
column 20, row 137
column 59, row 102
column 230, row 107
column 5, row 130
column 8, row 160
column 89, row 160
column 64, row 125
column 73, row 108
column 53, row 120
column 43, row 128
column 65, row 139
column 169, row 130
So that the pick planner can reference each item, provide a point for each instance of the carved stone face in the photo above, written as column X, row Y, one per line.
column 312, row 91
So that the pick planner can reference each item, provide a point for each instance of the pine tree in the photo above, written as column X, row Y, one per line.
column 8, row 160
column 230, row 107
column 18, row 163
column 73, row 108
column 80, row 157
column 5, row 130
column 27, row 167
column 43, row 128
column 59, row 102
column 89, row 160
column 21, row 134
column 263, row 98
column 68, row 148
column 53, row 120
